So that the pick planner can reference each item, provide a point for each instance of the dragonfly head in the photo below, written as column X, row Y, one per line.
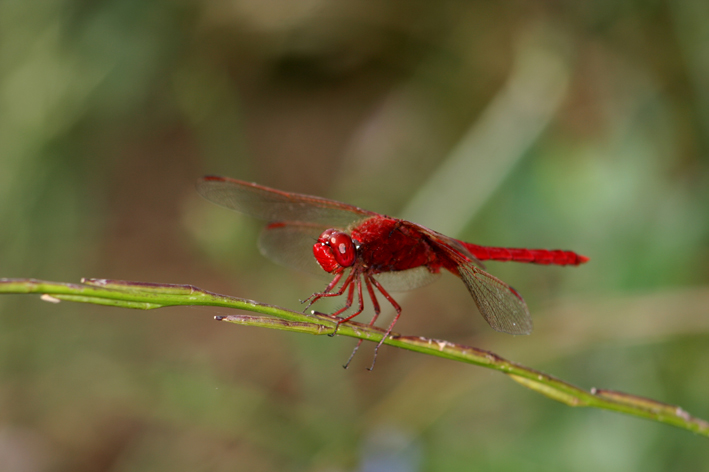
column 334, row 250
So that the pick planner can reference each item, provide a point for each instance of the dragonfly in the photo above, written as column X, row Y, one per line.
column 364, row 250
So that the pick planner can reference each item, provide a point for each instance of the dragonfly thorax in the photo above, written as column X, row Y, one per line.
column 334, row 250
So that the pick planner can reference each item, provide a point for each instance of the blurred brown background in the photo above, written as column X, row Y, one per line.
column 569, row 124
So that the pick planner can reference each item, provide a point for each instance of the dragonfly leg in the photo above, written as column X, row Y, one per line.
column 348, row 304
column 360, row 308
column 377, row 310
column 396, row 306
column 326, row 293
column 350, row 296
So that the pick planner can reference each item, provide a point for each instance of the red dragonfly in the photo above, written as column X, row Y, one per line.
column 378, row 250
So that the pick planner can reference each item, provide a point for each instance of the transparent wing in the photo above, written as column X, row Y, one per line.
column 275, row 205
column 404, row 280
column 501, row 306
column 291, row 245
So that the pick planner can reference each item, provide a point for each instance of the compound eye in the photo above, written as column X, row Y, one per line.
column 334, row 250
column 342, row 248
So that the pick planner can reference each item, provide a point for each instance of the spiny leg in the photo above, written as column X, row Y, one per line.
column 391, row 326
column 375, row 303
column 326, row 293
column 348, row 304
column 358, row 283
column 317, row 295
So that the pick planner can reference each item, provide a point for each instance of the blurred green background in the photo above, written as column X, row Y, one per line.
column 563, row 124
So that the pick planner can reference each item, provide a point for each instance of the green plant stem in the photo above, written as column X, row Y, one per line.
column 148, row 296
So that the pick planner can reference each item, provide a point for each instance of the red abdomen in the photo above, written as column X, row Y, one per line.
column 534, row 256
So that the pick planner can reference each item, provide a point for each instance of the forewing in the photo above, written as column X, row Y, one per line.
column 276, row 205
column 291, row 245
column 501, row 306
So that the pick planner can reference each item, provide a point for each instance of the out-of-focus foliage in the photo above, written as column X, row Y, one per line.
column 580, row 125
